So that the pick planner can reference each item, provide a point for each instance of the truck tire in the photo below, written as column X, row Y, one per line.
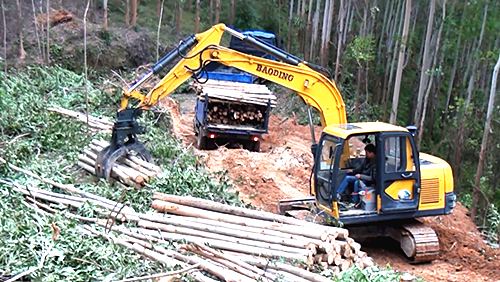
column 201, row 142
column 253, row 146
column 256, row 146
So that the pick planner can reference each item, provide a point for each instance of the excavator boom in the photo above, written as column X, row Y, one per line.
column 193, row 54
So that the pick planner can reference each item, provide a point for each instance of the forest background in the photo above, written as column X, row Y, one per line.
column 427, row 63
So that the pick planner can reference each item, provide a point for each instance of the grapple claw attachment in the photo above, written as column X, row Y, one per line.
column 123, row 142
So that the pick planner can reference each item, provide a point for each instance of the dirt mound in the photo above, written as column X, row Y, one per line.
column 282, row 170
column 462, row 245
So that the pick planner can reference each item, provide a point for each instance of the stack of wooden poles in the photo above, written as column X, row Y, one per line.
column 129, row 170
column 230, row 243
column 96, row 124
column 250, row 232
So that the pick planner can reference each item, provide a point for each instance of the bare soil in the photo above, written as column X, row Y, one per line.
column 282, row 170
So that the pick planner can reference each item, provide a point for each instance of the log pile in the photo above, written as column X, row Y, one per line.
column 129, row 170
column 235, row 103
column 252, row 233
column 230, row 243
column 236, row 114
column 95, row 124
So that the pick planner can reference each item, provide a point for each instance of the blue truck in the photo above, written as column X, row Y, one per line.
column 247, row 132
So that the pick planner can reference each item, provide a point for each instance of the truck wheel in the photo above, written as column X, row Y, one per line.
column 254, row 146
column 201, row 142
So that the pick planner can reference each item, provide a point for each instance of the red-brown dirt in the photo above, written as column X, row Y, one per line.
column 282, row 170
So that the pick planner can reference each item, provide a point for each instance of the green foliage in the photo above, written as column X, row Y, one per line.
column 48, row 144
column 247, row 16
column 361, row 49
column 369, row 274
column 27, row 236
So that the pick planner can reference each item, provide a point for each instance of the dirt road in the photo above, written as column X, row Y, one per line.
column 282, row 170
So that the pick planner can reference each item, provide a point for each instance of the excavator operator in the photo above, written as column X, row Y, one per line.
column 361, row 176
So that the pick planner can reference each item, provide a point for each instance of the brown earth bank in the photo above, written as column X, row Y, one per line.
column 282, row 170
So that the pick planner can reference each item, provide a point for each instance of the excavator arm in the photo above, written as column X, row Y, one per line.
column 195, row 52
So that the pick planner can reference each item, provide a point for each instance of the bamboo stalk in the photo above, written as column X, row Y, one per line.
column 233, row 231
column 263, row 215
column 209, row 235
column 225, row 274
column 229, row 264
column 261, row 273
column 202, row 224
column 310, row 231
column 285, row 267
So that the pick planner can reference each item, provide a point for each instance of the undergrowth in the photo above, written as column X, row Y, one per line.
column 48, row 144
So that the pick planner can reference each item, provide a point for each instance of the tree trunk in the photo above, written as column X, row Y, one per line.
column 324, row 30
column 48, row 34
column 4, row 62
column 462, row 130
column 160, row 17
column 42, row 54
column 315, row 31
column 307, row 49
column 401, row 60
column 211, row 12
column 340, row 31
column 232, row 12
column 134, row 12
column 22, row 53
column 197, row 17
column 425, row 63
column 290, row 17
column 486, row 132
column 434, row 65
column 393, row 41
column 105, row 16
column 127, row 12
column 178, row 21
column 217, row 11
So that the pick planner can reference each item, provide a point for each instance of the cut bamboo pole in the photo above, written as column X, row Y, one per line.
column 310, row 232
column 230, row 231
column 224, row 245
column 213, row 206
column 202, row 224
column 260, row 272
column 209, row 235
column 229, row 264
column 285, row 267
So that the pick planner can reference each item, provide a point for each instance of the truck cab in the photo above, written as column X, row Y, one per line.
column 218, row 71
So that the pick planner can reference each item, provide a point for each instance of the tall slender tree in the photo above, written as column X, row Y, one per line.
column 197, row 17
column 486, row 134
column 424, row 76
column 22, row 53
column 401, row 60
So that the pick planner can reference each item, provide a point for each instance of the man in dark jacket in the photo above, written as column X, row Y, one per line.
column 362, row 175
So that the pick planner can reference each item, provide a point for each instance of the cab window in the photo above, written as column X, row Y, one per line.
column 394, row 154
column 354, row 150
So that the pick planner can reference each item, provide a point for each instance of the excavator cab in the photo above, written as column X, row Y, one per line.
column 397, row 174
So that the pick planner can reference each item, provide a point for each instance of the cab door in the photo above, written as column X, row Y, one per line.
column 398, row 173
column 324, row 178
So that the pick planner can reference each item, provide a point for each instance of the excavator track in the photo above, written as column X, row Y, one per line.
column 419, row 242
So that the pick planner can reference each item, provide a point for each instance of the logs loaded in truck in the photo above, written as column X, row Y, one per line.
column 233, row 106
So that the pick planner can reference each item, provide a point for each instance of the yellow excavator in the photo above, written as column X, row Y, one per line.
column 408, row 184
